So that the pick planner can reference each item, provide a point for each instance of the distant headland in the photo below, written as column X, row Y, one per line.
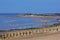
column 36, row 14
column 28, row 14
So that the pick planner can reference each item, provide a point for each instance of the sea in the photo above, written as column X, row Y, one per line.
column 8, row 21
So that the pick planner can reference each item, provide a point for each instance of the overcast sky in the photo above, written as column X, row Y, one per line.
column 29, row 6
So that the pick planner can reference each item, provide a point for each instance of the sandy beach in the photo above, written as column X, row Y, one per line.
column 53, row 36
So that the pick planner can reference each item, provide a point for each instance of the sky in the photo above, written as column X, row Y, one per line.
column 29, row 6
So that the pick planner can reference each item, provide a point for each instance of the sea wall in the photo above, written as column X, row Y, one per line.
column 29, row 32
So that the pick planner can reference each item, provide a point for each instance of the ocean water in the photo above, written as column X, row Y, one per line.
column 23, row 22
